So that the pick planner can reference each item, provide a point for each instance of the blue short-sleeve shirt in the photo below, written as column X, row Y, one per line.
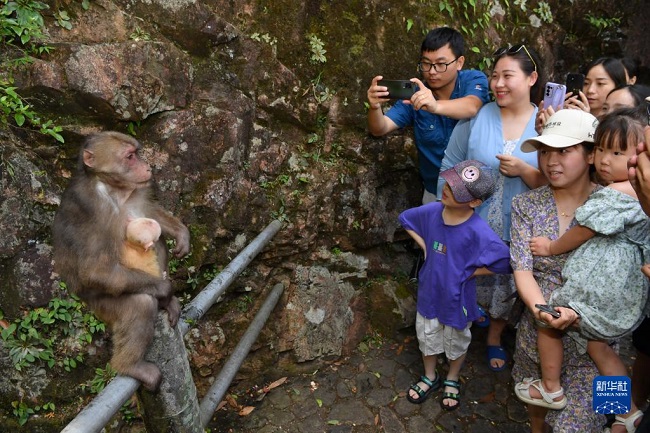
column 432, row 131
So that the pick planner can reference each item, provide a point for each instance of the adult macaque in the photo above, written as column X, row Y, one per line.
column 110, row 188
column 137, row 252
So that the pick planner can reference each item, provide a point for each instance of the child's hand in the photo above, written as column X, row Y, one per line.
column 540, row 246
column 511, row 166
column 646, row 270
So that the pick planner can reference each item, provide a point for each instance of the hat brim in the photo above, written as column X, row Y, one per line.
column 461, row 193
column 550, row 140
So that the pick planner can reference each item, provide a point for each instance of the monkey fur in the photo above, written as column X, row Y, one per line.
column 111, row 187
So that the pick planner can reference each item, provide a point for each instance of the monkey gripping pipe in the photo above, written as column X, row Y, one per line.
column 231, row 367
column 94, row 417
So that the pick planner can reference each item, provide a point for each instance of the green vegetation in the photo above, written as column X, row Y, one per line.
column 602, row 24
column 22, row 411
column 42, row 334
column 54, row 336
column 21, row 31
column 317, row 49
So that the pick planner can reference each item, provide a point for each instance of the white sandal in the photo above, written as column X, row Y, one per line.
column 629, row 421
column 522, row 391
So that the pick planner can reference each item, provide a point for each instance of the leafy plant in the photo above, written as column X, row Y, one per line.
column 317, row 48
column 140, row 35
column 37, row 336
column 100, row 379
column 12, row 106
column 244, row 303
column 601, row 24
column 63, row 19
column 21, row 27
column 21, row 23
column 22, row 411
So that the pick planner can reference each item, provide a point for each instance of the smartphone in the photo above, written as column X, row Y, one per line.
column 574, row 83
column 546, row 309
column 399, row 89
column 554, row 95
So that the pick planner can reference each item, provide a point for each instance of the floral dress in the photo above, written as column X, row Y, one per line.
column 534, row 213
column 603, row 281
column 494, row 291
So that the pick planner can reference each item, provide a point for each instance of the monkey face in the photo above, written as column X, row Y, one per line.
column 116, row 160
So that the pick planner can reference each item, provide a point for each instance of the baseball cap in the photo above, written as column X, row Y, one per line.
column 470, row 180
column 564, row 128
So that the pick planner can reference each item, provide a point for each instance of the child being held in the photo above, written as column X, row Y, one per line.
column 458, row 245
column 603, row 283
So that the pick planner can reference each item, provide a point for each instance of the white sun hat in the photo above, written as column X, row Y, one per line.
column 565, row 128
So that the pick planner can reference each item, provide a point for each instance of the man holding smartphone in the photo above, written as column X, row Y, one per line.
column 445, row 94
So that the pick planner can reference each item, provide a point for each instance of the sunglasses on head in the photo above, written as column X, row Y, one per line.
column 514, row 50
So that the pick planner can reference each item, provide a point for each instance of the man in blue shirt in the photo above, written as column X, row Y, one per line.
column 445, row 95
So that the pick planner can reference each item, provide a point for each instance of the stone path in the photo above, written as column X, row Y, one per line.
column 366, row 393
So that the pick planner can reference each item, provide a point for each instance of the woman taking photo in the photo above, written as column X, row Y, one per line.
column 603, row 75
column 494, row 137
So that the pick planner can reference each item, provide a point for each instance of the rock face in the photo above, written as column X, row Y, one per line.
column 248, row 113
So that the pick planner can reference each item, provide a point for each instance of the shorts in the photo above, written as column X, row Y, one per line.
column 435, row 338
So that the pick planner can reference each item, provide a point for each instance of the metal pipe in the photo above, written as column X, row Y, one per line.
column 229, row 370
column 209, row 295
column 99, row 411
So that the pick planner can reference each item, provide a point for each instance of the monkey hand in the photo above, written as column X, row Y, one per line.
column 182, row 243
column 173, row 307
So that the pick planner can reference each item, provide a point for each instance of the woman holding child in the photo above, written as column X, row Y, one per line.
column 565, row 153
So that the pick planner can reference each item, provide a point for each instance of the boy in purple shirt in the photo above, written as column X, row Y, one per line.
column 458, row 245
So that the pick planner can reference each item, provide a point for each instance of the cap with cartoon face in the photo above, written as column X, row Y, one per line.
column 470, row 180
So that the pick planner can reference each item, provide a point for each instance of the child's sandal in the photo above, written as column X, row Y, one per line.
column 522, row 391
column 423, row 395
column 629, row 421
column 450, row 395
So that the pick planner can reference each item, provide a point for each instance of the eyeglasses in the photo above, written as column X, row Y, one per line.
column 647, row 108
column 438, row 67
column 514, row 50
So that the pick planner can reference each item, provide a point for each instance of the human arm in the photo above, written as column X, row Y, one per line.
column 458, row 108
column 418, row 240
column 512, row 166
column 639, row 173
column 569, row 241
column 378, row 123
column 531, row 294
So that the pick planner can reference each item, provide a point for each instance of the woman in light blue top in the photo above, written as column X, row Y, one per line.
column 494, row 137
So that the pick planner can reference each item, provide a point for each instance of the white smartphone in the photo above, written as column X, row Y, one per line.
column 554, row 95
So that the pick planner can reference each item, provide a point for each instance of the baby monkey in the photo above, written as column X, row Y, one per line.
column 138, row 251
